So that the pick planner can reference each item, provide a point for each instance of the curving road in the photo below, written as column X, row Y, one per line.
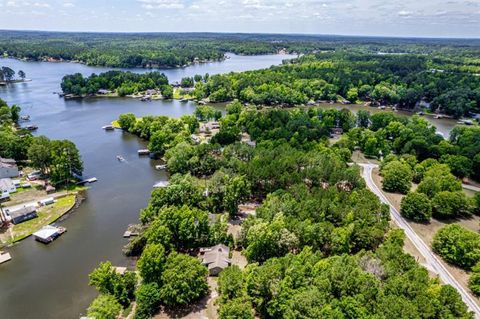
column 433, row 261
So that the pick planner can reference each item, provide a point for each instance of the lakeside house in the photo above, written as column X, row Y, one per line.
column 216, row 258
column 23, row 214
column 7, row 186
column 8, row 168
column 104, row 91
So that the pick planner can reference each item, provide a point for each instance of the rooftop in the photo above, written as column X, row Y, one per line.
column 46, row 232
column 216, row 256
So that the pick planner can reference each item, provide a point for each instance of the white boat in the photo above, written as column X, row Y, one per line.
column 161, row 167
column 161, row 184
column 108, row 127
column 120, row 158
column 143, row 152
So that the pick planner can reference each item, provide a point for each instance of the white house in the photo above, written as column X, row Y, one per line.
column 7, row 186
column 8, row 168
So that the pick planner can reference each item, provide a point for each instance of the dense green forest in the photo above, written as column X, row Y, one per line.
column 445, row 85
column 319, row 245
column 57, row 159
column 123, row 83
column 449, row 85
column 178, row 49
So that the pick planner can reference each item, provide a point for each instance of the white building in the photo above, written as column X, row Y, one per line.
column 7, row 186
column 8, row 168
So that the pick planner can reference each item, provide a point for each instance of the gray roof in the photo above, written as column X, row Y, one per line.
column 6, row 183
column 22, row 211
column 216, row 256
column 7, row 163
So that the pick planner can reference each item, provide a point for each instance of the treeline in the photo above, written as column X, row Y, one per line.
column 318, row 246
column 400, row 80
column 59, row 160
column 123, row 83
column 153, row 50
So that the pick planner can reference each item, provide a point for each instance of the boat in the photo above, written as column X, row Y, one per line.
column 161, row 167
column 183, row 100
column 143, row 152
column 4, row 257
column 108, row 127
column 25, row 118
column 31, row 127
column 120, row 158
column 161, row 184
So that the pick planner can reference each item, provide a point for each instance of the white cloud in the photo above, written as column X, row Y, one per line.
column 404, row 13
column 162, row 4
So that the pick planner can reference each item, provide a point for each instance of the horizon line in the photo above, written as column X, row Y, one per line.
column 247, row 33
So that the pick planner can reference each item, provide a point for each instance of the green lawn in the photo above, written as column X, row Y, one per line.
column 46, row 216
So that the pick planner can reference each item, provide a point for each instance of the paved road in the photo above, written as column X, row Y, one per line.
column 432, row 260
column 471, row 187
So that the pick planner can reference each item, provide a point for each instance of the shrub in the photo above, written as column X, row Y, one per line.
column 397, row 177
column 450, row 204
column 457, row 245
column 416, row 206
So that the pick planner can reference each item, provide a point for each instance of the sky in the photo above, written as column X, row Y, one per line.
column 417, row 18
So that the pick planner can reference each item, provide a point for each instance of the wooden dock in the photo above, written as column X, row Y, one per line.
column 4, row 257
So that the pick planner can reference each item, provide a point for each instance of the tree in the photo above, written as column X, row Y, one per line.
column 66, row 161
column 104, row 307
column 438, row 179
column 363, row 118
column 474, row 281
column 40, row 153
column 457, row 245
column 151, row 263
column 127, row 121
column 184, row 280
column 108, row 281
column 397, row 177
column 450, row 204
column 460, row 165
column 231, row 283
column 205, row 113
column 416, row 206
column 22, row 75
column 167, row 92
column 237, row 189
column 236, row 309
column 148, row 299
column 8, row 73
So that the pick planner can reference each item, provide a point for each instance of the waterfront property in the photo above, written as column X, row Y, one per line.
column 8, row 168
column 216, row 258
column 23, row 214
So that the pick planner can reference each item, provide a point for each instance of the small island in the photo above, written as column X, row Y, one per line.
column 7, row 76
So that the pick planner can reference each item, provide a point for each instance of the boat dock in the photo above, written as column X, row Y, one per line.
column 87, row 181
column 48, row 233
column 132, row 230
column 143, row 152
column 4, row 257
